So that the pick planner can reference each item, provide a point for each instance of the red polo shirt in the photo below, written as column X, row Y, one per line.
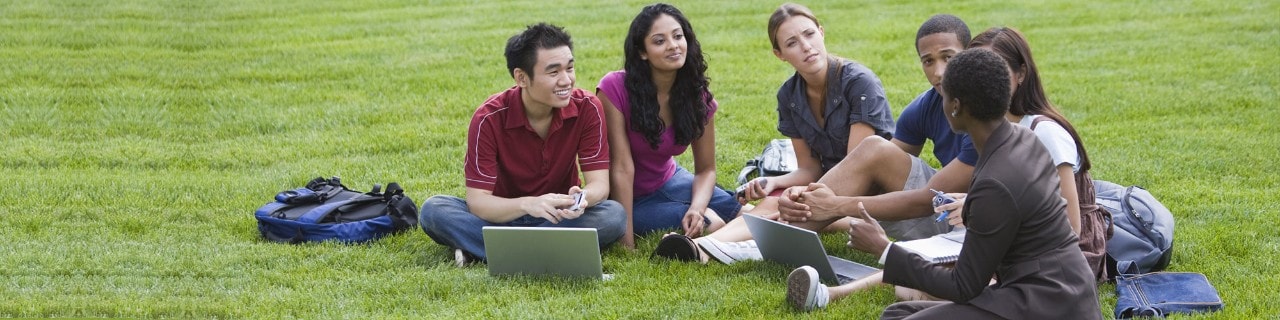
column 505, row 155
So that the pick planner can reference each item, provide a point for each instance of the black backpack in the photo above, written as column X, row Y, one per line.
column 327, row 210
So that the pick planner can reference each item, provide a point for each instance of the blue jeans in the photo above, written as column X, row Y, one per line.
column 448, row 221
column 665, row 208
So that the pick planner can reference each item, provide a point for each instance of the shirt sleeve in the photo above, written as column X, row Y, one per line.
column 910, row 128
column 593, row 149
column 612, row 87
column 990, row 214
column 480, row 167
column 712, row 104
column 786, row 124
column 1062, row 148
column 968, row 153
column 865, row 94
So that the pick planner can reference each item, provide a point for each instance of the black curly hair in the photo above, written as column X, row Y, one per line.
column 689, row 96
column 979, row 79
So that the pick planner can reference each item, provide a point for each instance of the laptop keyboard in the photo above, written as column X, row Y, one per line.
column 843, row 280
column 847, row 271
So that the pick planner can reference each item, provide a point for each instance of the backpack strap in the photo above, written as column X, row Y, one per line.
column 753, row 165
column 1037, row 120
column 318, row 214
column 1146, row 226
column 393, row 189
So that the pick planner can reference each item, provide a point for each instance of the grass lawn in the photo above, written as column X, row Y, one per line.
column 138, row 137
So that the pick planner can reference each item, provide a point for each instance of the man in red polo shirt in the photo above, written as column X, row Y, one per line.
column 524, row 149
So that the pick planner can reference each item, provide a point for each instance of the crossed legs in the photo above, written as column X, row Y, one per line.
column 874, row 166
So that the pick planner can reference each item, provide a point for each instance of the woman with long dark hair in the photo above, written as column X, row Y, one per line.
column 658, row 106
column 1030, row 108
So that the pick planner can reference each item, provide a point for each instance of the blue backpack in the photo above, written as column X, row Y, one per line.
column 1143, row 229
column 327, row 210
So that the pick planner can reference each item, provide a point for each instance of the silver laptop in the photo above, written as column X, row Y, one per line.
column 571, row 252
column 793, row 246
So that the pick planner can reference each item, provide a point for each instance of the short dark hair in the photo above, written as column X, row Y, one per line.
column 943, row 23
column 522, row 49
column 979, row 79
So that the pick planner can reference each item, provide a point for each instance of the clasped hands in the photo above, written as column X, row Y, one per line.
column 813, row 202
column 816, row 202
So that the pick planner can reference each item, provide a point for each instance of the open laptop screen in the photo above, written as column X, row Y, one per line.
column 573, row 252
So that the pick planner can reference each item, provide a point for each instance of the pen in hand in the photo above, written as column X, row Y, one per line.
column 939, row 199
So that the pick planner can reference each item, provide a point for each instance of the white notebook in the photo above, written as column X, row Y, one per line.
column 943, row 248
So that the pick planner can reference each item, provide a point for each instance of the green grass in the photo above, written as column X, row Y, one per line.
column 139, row 136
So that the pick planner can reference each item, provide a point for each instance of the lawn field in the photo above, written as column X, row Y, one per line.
column 138, row 137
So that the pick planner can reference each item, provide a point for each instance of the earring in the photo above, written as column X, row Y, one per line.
column 953, row 113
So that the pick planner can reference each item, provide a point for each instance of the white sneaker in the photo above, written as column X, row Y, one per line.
column 730, row 252
column 804, row 292
column 461, row 258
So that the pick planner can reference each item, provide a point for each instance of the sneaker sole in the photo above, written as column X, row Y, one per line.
column 460, row 258
column 676, row 247
column 801, row 287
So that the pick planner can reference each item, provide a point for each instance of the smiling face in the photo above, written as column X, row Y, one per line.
column 551, row 81
column 800, row 43
column 665, row 45
column 935, row 50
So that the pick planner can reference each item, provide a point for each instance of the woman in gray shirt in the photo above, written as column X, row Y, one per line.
column 827, row 107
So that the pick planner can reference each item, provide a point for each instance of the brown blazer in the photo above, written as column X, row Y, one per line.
column 1018, row 232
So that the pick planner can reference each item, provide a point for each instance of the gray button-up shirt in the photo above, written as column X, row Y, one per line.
column 856, row 96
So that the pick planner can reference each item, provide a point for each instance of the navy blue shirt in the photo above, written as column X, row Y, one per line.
column 856, row 96
column 924, row 119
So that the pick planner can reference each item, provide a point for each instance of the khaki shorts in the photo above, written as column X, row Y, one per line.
column 922, row 227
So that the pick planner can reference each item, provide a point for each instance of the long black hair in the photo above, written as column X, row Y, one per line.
column 689, row 96
column 1029, row 98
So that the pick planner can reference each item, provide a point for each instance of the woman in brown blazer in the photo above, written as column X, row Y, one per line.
column 1017, row 229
